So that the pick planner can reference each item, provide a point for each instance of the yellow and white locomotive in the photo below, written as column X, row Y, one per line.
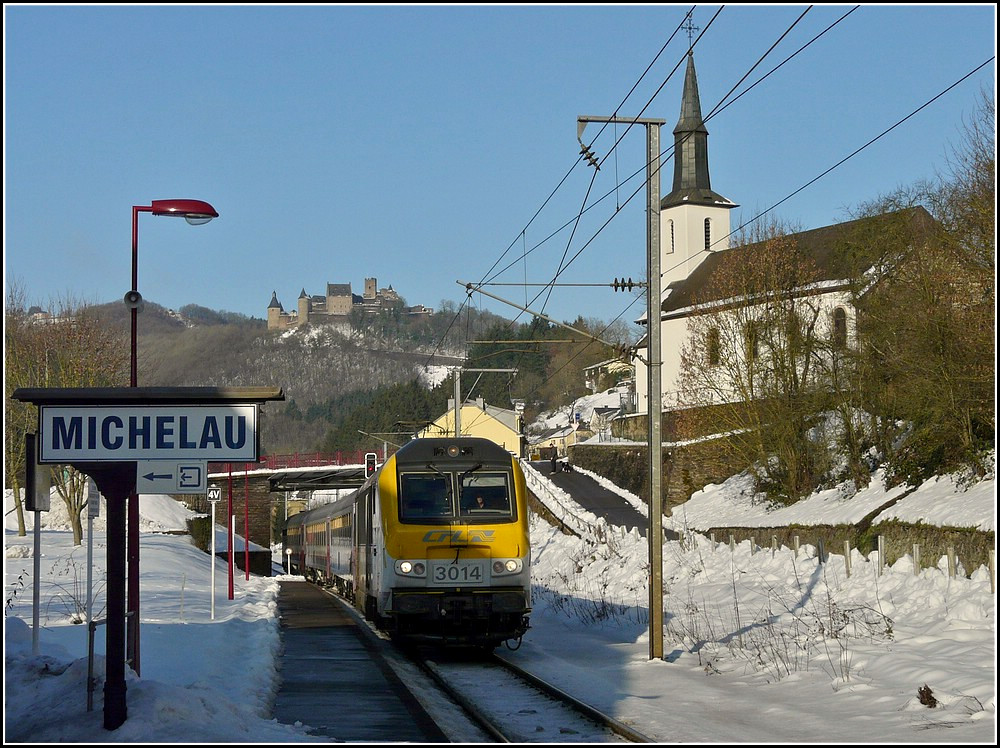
column 433, row 546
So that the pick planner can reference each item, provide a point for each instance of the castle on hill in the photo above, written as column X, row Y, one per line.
column 336, row 306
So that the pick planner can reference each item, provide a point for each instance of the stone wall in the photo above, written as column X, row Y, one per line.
column 686, row 468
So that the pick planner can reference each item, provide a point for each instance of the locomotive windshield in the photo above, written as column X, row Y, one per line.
column 424, row 496
column 430, row 497
column 485, row 495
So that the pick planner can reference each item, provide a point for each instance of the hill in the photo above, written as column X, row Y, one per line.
column 324, row 371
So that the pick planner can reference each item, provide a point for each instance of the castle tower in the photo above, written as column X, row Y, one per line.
column 274, row 312
column 305, row 306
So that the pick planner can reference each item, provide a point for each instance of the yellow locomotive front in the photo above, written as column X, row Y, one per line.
column 456, row 559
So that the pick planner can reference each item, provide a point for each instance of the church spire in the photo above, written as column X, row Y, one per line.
column 692, row 185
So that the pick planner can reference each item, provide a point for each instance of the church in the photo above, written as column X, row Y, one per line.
column 710, row 320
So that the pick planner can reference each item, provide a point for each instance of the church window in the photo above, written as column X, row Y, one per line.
column 751, row 340
column 713, row 347
column 671, row 237
column 839, row 327
column 708, row 234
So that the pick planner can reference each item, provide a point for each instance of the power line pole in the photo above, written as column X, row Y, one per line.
column 458, row 393
column 654, row 370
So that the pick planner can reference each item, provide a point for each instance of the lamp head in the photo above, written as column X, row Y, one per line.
column 195, row 212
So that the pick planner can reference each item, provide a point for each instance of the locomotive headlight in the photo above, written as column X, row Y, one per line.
column 508, row 566
column 410, row 568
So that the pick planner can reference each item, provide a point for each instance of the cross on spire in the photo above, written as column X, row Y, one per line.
column 689, row 27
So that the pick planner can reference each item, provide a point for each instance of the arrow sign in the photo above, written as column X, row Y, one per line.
column 166, row 476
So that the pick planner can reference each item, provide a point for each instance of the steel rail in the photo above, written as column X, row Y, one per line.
column 584, row 708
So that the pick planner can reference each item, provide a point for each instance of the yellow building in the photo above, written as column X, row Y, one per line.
column 559, row 438
column 479, row 419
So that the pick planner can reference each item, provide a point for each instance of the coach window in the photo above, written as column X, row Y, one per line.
column 486, row 497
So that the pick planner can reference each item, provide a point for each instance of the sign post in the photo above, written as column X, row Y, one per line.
column 214, row 497
column 105, row 431
column 37, row 499
column 93, row 511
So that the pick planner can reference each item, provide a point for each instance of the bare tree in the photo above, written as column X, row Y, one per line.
column 66, row 346
column 752, row 349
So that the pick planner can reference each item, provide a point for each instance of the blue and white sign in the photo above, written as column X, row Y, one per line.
column 166, row 476
column 84, row 433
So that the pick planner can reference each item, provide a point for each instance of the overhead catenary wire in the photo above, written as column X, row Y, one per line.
column 716, row 110
column 719, row 107
column 564, row 265
column 845, row 158
column 556, row 189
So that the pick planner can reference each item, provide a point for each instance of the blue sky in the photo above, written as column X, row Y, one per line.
column 414, row 144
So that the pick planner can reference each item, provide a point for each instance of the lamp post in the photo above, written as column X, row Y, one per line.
column 195, row 212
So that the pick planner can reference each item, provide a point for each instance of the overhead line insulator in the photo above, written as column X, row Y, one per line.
column 589, row 155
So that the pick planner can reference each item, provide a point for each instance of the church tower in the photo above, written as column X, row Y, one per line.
column 694, row 220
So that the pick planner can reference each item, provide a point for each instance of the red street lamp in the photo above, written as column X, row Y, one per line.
column 195, row 212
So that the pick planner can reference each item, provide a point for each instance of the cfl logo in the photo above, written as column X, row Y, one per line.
column 458, row 536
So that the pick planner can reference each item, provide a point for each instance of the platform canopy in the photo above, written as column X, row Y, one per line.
column 315, row 479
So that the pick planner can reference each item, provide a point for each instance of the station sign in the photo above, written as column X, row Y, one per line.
column 183, row 433
column 169, row 476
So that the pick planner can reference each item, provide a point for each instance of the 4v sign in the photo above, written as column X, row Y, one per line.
column 70, row 434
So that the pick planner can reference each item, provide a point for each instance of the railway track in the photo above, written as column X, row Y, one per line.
column 490, row 698
column 513, row 706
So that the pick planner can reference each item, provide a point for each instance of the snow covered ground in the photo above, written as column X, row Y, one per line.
column 759, row 646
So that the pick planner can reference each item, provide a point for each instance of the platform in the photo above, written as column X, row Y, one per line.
column 334, row 682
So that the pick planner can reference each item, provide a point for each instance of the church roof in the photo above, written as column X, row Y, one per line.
column 823, row 246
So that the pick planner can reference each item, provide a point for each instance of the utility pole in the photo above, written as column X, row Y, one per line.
column 654, row 368
column 458, row 393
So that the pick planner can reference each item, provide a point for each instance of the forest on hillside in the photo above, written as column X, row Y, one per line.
column 382, row 376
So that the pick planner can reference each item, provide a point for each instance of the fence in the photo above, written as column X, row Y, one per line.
column 881, row 557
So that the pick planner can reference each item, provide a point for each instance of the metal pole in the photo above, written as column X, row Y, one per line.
column 655, row 393
column 132, row 513
column 229, row 530
column 654, row 370
column 214, row 503
column 93, row 510
column 35, row 587
column 246, row 522
column 458, row 402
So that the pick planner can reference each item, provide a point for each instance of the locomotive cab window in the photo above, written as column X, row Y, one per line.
column 486, row 496
column 424, row 496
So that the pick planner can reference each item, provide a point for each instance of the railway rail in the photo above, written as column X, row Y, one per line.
column 491, row 697
column 514, row 706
